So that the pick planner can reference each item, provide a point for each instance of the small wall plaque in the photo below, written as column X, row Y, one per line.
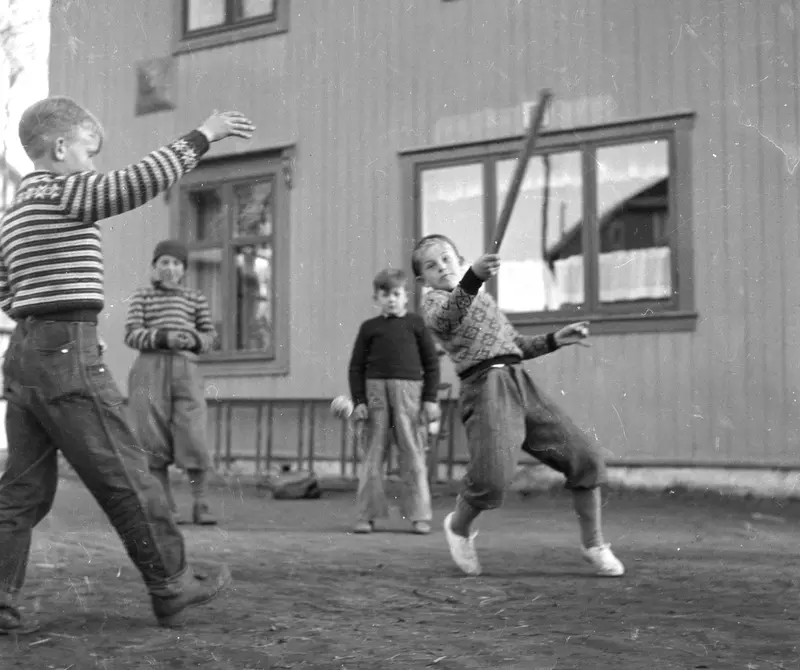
column 154, row 86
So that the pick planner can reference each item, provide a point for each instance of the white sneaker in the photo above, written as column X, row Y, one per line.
column 462, row 549
column 604, row 561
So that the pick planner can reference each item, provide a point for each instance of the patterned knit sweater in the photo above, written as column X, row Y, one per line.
column 51, row 258
column 154, row 311
column 472, row 329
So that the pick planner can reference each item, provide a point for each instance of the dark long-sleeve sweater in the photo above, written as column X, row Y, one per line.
column 394, row 347
column 51, row 258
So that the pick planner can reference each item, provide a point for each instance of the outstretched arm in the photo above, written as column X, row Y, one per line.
column 533, row 346
column 92, row 196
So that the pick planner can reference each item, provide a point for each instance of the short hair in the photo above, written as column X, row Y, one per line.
column 389, row 279
column 53, row 117
column 427, row 241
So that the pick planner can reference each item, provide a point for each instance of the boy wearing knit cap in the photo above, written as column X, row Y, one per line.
column 169, row 325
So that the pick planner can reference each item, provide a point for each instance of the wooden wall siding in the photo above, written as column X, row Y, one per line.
column 354, row 82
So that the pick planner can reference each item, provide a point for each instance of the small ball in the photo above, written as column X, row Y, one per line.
column 342, row 407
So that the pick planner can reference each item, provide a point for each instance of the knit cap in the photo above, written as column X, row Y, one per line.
column 174, row 248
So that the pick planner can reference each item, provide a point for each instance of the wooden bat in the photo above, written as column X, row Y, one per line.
column 534, row 127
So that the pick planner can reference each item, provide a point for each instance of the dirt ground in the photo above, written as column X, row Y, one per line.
column 711, row 583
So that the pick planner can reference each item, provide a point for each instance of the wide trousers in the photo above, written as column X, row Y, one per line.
column 62, row 398
column 503, row 411
column 168, row 410
column 394, row 407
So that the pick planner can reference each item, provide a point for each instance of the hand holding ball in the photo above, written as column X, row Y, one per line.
column 342, row 407
column 574, row 333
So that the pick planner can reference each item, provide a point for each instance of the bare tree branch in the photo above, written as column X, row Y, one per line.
column 17, row 48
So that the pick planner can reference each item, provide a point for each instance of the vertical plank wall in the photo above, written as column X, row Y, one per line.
column 353, row 83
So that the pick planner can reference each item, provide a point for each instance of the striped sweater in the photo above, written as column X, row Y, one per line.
column 154, row 311
column 51, row 258
column 472, row 329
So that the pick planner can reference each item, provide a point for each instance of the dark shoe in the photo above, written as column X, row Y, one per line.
column 199, row 590
column 201, row 515
column 12, row 623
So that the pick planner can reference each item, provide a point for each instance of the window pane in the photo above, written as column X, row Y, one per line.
column 254, row 298
column 250, row 9
column 452, row 205
column 633, row 218
column 204, row 273
column 207, row 217
column 254, row 209
column 542, row 252
column 204, row 14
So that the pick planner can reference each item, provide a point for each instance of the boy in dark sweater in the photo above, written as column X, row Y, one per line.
column 394, row 377
column 169, row 325
column 501, row 408
column 61, row 396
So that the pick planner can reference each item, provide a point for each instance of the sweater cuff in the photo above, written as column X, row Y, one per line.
column 199, row 142
column 470, row 282
column 161, row 339
column 552, row 345
column 432, row 397
column 198, row 344
column 359, row 401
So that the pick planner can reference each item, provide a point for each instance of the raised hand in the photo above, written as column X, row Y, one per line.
column 486, row 266
column 177, row 339
column 574, row 333
column 220, row 125
column 431, row 412
column 360, row 413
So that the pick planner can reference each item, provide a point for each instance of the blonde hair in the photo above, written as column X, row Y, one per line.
column 47, row 120
column 427, row 241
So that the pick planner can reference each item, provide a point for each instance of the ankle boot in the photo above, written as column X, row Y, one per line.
column 171, row 603
column 201, row 513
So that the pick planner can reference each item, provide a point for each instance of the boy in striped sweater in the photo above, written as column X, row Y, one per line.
column 501, row 408
column 170, row 325
column 60, row 394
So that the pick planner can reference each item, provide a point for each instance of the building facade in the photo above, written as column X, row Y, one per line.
column 661, row 204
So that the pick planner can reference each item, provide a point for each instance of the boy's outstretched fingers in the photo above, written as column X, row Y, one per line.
column 239, row 125
column 227, row 124
column 574, row 333
column 583, row 331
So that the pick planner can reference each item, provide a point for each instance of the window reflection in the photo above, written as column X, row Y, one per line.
column 254, row 298
column 635, row 260
column 204, row 273
column 208, row 216
column 253, row 8
column 205, row 14
column 253, row 209
column 452, row 205
column 542, row 251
